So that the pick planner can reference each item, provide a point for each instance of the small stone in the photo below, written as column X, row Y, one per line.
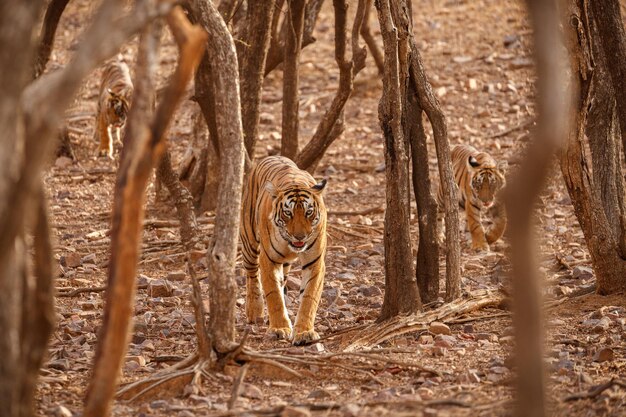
column 176, row 276
column 88, row 305
column 88, row 259
column 468, row 328
column 441, row 91
column 141, row 361
column 59, row 364
column 290, row 411
column 603, row 325
column 603, row 354
column 445, row 341
column 251, row 391
column 370, row 291
column 491, row 337
column 159, row 288
column 330, row 170
column 63, row 162
column 71, row 260
column 510, row 40
column 267, row 119
column 582, row 272
column 345, row 276
column 439, row 328
column 472, row 84
column 319, row 394
column 425, row 339
column 522, row 62
column 425, row 393
column 293, row 283
column 159, row 404
column 61, row 411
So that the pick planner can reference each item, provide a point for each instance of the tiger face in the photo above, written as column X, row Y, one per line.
column 296, row 215
column 117, row 108
column 487, row 179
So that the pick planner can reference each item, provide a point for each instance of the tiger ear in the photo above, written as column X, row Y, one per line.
column 502, row 167
column 473, row 162
column 270, row 188
column 319, row 187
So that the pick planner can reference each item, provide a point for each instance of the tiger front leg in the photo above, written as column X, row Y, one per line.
column 310, row 293
column 103, row 135
column 479, row 242
column 271, row 280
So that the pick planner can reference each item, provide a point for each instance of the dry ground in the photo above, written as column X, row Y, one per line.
column 477, row 54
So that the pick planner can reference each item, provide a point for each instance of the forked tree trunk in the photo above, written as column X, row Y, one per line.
column 224, row 81
column 401, row 293
column 602, row 239
column 366, row 33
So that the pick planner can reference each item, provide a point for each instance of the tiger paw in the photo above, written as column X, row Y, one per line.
column 480, row 247
column 254, row 311
column 305, row 337
column 280, row 332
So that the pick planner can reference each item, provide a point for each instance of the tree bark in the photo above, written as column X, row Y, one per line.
column 291, row 95
column 252, row 67
column 143, row 148
column 610, row 27
column 608, row 262
column 46, row 38
column 603, row 131
column 427, row 263
column 401, row 293
column 222, row 251
column 553, row 103
column 429, row 103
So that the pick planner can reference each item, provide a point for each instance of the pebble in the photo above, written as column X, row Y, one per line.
column 345, row 276
column 319, row 394
column 603, row 354
column 61, row 411
column 439, row 328
column 425, row 339
column 176, row 276
column 445, row 341
column 251, row 391
column 370, row 291
column 603, row 325
column 582, row 272
column 63, row 162
column 71, row 260
column 159, row 288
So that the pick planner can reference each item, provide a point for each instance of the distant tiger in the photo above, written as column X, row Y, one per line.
column 283, row 218
column 479, row 180
column 116, row 90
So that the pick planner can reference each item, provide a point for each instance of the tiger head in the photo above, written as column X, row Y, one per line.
column 487, row 178
column 297, row 213
column 118, row 106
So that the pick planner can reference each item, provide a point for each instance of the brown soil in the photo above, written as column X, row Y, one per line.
column 478, row 57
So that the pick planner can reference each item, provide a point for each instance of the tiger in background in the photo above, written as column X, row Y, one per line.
column 116, row 90
column 479, row 180
column 283, row 217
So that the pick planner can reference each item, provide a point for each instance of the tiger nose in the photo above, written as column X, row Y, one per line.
column 299, row 236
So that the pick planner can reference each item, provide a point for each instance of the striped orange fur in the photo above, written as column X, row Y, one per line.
column 479, row 180
column 116, row 90
column 283, row 218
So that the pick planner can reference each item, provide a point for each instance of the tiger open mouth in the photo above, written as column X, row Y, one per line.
column 297, row 244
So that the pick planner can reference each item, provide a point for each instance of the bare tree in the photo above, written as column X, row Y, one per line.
column 143, row 148
column 554, row 104
column 598, row 197
column 401, row 293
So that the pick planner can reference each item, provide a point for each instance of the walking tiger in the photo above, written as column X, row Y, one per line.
column 116, row 90
column 479, row 180
column 283, row 218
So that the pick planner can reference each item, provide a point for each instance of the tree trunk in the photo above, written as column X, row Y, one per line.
column 427, row 263
column 291, row 95
column 143, row 148
column 369, row 39
column 252, row 67
column 401, row 293
column 608, row 18
column 522, row 194
column 223, row 248
column 606, row 256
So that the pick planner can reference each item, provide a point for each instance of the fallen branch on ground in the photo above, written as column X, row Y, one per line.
column 595, row 391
